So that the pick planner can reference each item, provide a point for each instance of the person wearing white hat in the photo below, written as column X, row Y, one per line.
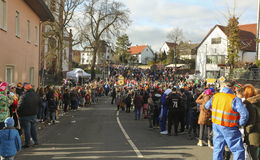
column 164, row 111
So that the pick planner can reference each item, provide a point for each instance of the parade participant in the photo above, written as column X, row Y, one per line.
column 174, row 106
column 66, row 100
column 128, row 101
column 183, row 109
column 204, row 117
column 145, row 105
column 74, row 99
column 19, row 89
column 157, row 103
column 5, row 102
column 138, row 102
column 228, row 113
column 27, row 111
column 43, row 104
column 13, row 107
column 164, row 111
column 10, row 140
column 252, row 128
column 113, row 95
column 52, row 107
column 14, row 96
column 106, row 88
column 150, row 110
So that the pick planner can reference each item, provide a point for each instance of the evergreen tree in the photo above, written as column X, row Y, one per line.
column 122, row 46
column 233, row 42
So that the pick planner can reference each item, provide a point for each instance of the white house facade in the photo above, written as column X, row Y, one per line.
column 212, row 51
column 166, row 47
column 87, row 56
column 143, row 53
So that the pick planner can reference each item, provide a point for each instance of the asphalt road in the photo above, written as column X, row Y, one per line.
column 94, row 133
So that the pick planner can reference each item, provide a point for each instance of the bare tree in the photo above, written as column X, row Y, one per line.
column 55, row 32
column 102, row 19
column 175, row 36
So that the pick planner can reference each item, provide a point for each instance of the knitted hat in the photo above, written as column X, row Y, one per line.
column 208, row 92
column 3, row 86
column 27, row 86
column 212, row 89
column 9, row 122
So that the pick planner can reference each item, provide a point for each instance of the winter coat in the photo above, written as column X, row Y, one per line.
column 138, row 101
column 52, row 105
column 128, row 100
column 252, row 128
column 205, row 115
column 10, row 142
column 66, row 98
column 5, row 102
column 28, row 104
column 174, row 102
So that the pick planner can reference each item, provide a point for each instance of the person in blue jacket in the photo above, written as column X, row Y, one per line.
column 10, row 140
column 228, row 114
column 164, row 112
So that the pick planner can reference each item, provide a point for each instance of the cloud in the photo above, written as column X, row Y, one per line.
column 153, row 19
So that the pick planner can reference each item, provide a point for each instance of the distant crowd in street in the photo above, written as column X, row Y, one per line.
column 174, row 104
column 229, row 111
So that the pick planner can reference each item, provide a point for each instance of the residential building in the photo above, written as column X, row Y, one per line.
column 56, row 53
column 20, row 26
column 212, row 51
column 76, row 57
column 186, row 50
column 167, row 46
column 67, row 52
column 143, row 53
column 86, row 57
column 103, row 56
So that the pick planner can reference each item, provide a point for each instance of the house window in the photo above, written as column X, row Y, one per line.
column 212, row 59
column 3, row 23
column 215, row 59
column 28, row 31
column 31, row 75
column 36, row 35
column 9, row 74
column 221, row 59
column 216, row 40
column 82, row 61
column 212, row 74
column 17, row 24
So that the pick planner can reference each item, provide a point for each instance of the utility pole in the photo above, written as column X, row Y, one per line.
column 258, row 32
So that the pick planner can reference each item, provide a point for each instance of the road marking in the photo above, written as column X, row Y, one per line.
column 138, row 153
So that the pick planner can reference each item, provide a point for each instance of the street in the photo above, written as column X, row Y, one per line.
column 94, row 133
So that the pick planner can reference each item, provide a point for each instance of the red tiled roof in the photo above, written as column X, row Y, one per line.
column 247, row 36
column 136, row 49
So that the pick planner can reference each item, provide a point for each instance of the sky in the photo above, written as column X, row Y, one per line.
column 152, row 20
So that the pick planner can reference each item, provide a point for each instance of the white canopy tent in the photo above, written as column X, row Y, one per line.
column 76, row 73
column 178, row 66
